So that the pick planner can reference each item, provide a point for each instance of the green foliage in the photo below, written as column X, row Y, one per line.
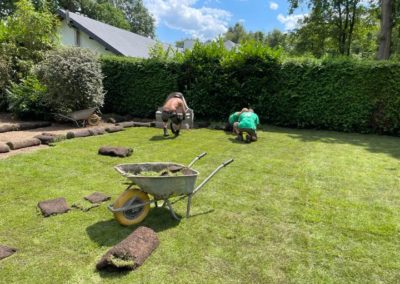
column 5, row 76
column 105, row 12
column 26, row 98
column 137, row 86
column 26, row 35
column 237, row 33
column 139, row 18
column 74, row 79
column 126, row 14
column 344, row 95
column 338, row 94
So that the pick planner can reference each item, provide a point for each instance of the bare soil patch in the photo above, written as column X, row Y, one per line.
column 55, row 128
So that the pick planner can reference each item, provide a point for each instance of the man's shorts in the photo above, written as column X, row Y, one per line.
column 249, row 131
column 176, row 118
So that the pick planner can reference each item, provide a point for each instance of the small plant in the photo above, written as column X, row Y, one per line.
column 73, row 78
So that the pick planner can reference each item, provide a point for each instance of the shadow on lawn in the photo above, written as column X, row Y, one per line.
column 371, row 142
column 110, row 232
column 162, row 137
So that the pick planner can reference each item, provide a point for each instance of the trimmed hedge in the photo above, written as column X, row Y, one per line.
column 341, row 95
column 137, row 86
column 344, row 95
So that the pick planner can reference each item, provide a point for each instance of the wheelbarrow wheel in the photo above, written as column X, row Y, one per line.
column 134, row 216
column 93, row 119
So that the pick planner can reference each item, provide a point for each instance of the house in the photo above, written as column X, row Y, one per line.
column 79, row 30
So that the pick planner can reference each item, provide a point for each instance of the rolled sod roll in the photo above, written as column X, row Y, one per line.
column 32, row 125
column 97, row 131
column 23, row 143
column 131, row 252
column 126, row 124
column 44, row 139
column 57, row 137
column 79, row 133
column 4, row 148
column 112, row 129
column 8, row 127
column 142, row 124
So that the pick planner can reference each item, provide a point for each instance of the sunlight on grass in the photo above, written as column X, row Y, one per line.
column 297, row 206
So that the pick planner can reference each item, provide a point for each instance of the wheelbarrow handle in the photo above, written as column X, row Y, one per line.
column 227, row 162
column 211, row 175
column 197, row 158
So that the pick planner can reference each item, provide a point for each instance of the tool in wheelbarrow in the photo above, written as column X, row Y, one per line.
column 133, row 205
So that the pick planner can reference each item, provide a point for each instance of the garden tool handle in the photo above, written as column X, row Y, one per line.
column 202, row 155
column 227, row 162
column 197, row 158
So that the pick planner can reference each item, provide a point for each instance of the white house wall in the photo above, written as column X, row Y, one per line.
column 68, row 37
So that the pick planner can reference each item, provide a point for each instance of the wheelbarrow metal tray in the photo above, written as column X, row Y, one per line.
column 159, row 186
column 82, row 114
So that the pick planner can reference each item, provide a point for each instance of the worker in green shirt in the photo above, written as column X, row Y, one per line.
column 247, row 123
column 234, row 117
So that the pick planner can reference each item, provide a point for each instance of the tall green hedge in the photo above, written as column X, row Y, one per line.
column 137, row 87
column 344, row 95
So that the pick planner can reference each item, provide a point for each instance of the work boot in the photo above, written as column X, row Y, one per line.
column 239, row 137
column 248, row 138
column 177, row 132
column 166, row 132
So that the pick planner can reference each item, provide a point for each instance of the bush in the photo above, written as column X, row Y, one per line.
column 26, row 98
column 74, row 79
column 5, row 75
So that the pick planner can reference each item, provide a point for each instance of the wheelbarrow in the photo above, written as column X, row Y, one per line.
column 83, row 117
column 133, row 205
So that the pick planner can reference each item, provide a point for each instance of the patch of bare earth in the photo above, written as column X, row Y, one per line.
column 12, row 136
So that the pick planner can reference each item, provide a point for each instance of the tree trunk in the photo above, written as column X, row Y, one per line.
column 385, row 35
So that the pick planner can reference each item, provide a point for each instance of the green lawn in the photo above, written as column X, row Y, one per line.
column 298, row 206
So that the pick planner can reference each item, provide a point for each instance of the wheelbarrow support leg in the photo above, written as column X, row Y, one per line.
column 188, row 205
column 172, row 210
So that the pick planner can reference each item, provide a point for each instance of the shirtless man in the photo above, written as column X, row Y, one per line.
column 174, row 108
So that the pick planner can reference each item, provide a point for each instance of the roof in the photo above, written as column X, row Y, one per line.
column 118, row 41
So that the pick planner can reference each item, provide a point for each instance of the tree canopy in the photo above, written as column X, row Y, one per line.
column 125, row 14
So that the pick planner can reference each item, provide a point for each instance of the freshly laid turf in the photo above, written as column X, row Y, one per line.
column 297, row 206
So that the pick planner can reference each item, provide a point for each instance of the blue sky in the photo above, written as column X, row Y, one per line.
column 206, row 19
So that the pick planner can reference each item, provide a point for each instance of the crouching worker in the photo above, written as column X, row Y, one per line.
column 174, row 109
column 247, row 123
column 234, row 117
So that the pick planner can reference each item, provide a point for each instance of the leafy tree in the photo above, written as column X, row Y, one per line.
column 276, row 39
column 6, row 8
column 139, row 18
column 237, row 33
column 337, row 18
column 104, row 12
column 26, row 35
column 389, row 16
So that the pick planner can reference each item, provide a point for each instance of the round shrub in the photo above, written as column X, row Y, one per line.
column 73, row 78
